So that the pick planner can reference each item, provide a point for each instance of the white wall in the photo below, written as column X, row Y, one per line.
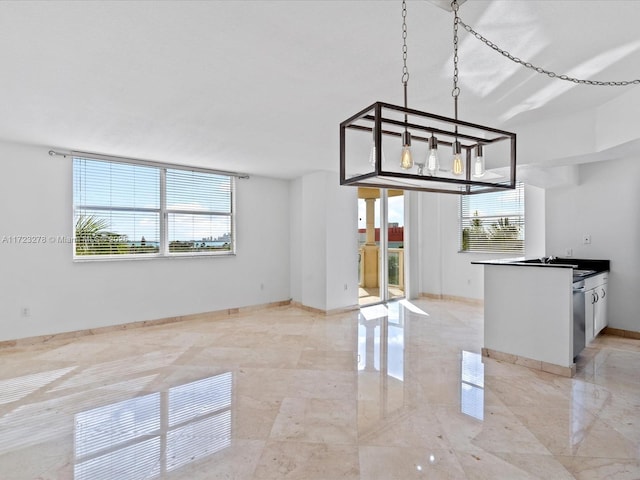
column 557, row 138
column 584, row 136
column 314, row 241
column 412, row 243
column 617, row 121
column 604, row 204
column 342, row 244
column 36, row 199
column 429, row 244
column 535, row 228
column 295, row 239
column 446, row 271
column 324, row 239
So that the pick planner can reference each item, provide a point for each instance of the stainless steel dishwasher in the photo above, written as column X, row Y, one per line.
column 579, row 335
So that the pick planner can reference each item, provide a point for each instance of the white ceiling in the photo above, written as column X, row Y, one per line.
column 261, row 86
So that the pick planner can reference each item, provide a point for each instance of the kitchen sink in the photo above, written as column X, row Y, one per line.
column 582, row 273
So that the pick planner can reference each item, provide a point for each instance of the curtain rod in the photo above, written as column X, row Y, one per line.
column 98, row 156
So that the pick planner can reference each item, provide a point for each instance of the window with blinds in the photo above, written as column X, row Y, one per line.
column 144, row 209
column 493, row 222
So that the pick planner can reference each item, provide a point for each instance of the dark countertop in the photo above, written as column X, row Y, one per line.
column 583, row 268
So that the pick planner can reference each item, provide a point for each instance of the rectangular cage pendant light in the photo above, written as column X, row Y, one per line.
column 373, row 152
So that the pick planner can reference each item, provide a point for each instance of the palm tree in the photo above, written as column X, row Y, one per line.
column 93, row 238
column 504, row 231
column 475, row 236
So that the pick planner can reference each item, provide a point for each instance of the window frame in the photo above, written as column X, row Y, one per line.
column 461, row 220
column 163, row 211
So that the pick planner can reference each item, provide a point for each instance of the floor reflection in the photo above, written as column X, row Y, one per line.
column 15, row 389
column 383, row 390
column 150, row 435
column 383, row 344
column 380, row 364
column 472, row 385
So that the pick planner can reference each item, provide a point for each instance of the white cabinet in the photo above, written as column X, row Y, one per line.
column 600, row 308
column 528, row 312
column 588, row 315
column 596, row 298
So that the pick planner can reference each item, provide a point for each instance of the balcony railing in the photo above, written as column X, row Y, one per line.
column 396, row 266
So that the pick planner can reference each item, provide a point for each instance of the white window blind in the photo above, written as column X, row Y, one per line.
column 150, row 210
column 493, row 222
column 198, row 211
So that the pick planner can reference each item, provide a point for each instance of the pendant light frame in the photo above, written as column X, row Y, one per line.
column 384, row 120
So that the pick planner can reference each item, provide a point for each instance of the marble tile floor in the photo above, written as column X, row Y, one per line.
column 368, row 296
column 390, row 392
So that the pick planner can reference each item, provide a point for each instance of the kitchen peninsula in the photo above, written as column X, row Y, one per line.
column 532, row 313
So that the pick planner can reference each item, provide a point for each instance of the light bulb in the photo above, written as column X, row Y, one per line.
column 372, row 156
column 478, row 165
column 433, row 163
column 457, row 165
column 406, row 160
column 372, row 152
column 457, row 168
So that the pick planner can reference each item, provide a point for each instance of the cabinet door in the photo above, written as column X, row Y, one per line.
column 589, row 304
column 600, row 309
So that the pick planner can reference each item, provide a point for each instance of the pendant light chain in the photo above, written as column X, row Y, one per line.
column 455, row 93
column 537, row 69
column 406, row 159
column 405, row 70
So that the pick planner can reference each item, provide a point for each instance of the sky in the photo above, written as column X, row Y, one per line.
column 396, row 212
column 507, row 202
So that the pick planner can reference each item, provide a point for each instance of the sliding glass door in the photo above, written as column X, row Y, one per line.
column 381, row 245
column 395, row 245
